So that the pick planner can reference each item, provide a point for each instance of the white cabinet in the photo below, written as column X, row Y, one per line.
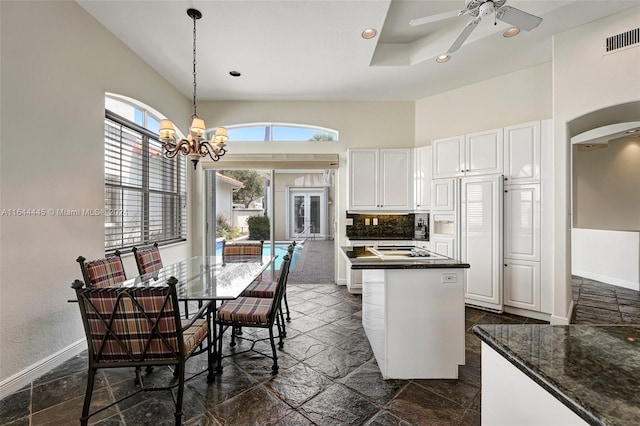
column 522, row 222
column 522, row 153
column 445, row 246
column 474, row 154
column 443, row 194
column 481, row 240
column 379, row 179
column 448, row 157
column 522, row 284
column 422, row 178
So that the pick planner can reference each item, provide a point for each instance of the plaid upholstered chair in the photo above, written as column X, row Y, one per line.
column 147, row 259
column 141, row 326
column 254, row 312
column 106, row 272
column 265, row 288
column 241, row 251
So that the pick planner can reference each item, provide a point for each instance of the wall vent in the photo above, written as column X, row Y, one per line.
column 622, row 41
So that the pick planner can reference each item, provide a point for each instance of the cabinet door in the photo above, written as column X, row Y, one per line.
column 443, row 193
column 522, row 153
column 422, row 178
column 522, row 284
column 444, row 246
column 448, row 157
column 363, row 182
column 522, row 222
column 395, row 179
column 481, row 239
column 484, row 153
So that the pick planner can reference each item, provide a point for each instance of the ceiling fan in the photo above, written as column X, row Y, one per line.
column 478, row 9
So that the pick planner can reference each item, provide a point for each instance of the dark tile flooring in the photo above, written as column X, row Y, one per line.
column 327, row 376
column 598, row 303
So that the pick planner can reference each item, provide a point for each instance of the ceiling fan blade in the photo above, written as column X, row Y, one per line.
column 466, row 32
column 518, row 18
column 436, row 18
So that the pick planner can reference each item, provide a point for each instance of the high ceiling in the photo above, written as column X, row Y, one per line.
column 312, row 50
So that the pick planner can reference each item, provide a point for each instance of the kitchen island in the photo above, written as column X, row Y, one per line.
column 560, row 375
column 412, row 312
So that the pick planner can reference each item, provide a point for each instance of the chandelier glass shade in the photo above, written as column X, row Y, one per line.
column 195, row 145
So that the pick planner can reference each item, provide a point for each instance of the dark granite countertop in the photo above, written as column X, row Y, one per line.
column 372, row 238
column 361, row 258
column 594, row 370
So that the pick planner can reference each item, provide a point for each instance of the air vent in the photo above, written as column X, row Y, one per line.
column 622, row 41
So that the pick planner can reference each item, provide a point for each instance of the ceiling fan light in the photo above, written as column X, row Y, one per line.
column 511, row 32
column 442, row 59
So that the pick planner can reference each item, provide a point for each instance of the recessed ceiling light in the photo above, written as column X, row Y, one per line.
column 369, row 33
column 235, row 73
column 511, row 32
column 442, row 58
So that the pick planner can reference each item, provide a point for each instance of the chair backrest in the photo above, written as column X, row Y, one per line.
column 147, row 259
column 241, row 251
column 106, row 272
column 290, row 250
column 129, row 325
column 280, row 287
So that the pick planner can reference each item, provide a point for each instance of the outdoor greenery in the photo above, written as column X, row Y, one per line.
column 321, row 137
column 258, row 227
column 253, row 185
column 224, row 228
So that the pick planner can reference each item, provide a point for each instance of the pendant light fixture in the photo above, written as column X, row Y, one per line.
column 195, row 145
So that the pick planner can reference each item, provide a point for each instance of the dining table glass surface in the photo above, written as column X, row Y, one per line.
column 206, row 277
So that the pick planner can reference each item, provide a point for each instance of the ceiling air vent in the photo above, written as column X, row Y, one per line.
column 622, row 41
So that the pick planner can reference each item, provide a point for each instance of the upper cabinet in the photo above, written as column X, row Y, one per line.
column 422, row 178
column 380, row 179
column 469, row 155
column 522, row 153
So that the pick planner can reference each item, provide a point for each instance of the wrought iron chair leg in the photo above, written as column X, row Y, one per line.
column 87, row 397
column 220, row 334
column 286, row 304
column 180, row 369
column 211, row 348
column 280, row 342
column 275, row 367
column 233, row 336
column 284, row 327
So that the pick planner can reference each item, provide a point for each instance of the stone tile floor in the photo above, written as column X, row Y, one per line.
column 327, row 376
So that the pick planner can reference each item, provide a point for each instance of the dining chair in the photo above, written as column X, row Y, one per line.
column 141, row 326
column 241, row 251
column 266, row 288
column 106, row 272
column 253, row 312
column 147, row 259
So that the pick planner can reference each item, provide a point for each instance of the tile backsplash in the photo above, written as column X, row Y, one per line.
column 388, row 226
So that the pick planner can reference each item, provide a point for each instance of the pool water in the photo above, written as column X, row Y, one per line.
column 280, row 251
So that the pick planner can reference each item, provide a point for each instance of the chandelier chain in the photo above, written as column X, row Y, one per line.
column 195, row 84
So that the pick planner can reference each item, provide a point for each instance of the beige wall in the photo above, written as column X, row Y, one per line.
column 513, row 98
column 52, row 112
column 584, row 80
column 606, row 186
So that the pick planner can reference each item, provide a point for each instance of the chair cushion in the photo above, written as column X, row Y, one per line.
column 107, row 272
column 149, row 260
column 261, row 289
column 195, row 334
column 242, row 252
column 246, row 310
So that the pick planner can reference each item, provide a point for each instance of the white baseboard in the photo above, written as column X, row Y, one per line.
column 342, row 281
column 556, row 320
column 527, row 313
column 607, row 279
column 31, row 373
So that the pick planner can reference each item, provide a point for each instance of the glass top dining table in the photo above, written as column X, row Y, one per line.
column 206, row 277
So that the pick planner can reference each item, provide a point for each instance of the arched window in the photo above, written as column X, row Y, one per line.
column 145, row 193
column 280, row 132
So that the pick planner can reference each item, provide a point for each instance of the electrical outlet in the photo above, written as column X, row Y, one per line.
column 349, row 221
column 375, row 220
column 367, row 221
column 449, row 278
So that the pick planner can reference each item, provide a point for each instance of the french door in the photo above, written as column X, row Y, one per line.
column 307, row 213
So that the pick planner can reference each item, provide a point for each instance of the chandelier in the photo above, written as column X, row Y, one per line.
column 195, row 145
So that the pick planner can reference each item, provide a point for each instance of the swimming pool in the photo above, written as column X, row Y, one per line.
column 280, row 251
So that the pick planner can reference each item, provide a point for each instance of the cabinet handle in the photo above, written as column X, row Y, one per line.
column 506, row 190
column 506, row 178
column 506, row 265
